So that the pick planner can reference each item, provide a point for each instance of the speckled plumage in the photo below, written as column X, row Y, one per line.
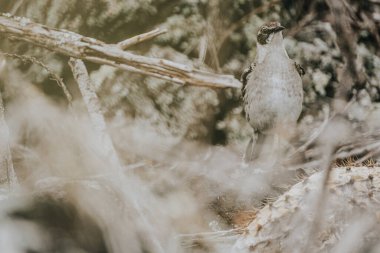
column 272, row 85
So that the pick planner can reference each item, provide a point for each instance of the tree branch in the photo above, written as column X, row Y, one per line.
column 53, row 75
column 93, row 107
column 89, row 49
column 140, row 38
column 351, row 73
column 6, row 164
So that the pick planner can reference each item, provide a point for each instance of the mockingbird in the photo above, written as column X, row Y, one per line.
column 272, row 90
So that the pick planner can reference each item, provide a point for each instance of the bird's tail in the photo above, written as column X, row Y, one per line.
column 254, row 148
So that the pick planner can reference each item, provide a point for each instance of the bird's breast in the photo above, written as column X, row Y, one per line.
column 273, row 95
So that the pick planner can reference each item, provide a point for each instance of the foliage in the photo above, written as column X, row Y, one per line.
column 174, row 166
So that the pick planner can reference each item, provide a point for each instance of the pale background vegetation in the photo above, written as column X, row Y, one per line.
column 183, row 188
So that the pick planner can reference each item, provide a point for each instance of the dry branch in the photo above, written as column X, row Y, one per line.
column 93, row 107
column 6, row 164
column 140, row 38
column 89, row 49
column 351, row 74
column 53, row 75
column 358, row 150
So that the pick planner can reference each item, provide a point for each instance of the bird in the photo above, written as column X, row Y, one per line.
column 272, row 90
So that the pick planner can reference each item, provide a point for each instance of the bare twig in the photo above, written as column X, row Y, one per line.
column 16, row 6
column 357, row 150
column 140, row 38
column 94, row 108
column 320, row 202
column 54, row 76
column 203, row 44
column 307, row 19
column 351, row 74
column 213, row 26
column 318, row 132
column 314, row 136
column 6, row 163
column 78, row 46
column 362, row 146
column 368, row 156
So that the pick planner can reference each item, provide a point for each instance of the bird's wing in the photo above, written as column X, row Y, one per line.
column 245, row 76
column 300, row 70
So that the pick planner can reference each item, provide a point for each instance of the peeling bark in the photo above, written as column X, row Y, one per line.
column 89, row 49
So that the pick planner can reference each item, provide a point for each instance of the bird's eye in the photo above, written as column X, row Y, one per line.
column 264, row 29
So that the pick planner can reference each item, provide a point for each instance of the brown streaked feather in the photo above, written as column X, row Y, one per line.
column 300, row 69
column 245, row 76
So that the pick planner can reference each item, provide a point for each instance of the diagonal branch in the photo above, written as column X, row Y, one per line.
column 140, row 38
column 89, row 49
column 351, row 73
column 94, row 108
column 6, row 164
column 53, row 76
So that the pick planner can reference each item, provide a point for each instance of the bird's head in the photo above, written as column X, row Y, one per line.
column 267, row 31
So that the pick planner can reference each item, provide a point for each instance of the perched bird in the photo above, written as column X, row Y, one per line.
column 272, row 89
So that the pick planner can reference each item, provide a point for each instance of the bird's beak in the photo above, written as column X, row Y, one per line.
column 278, row 28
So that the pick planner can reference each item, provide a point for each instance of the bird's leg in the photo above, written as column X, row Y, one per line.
column 254, row 148
column 248, row 152
column 276, row 143
column 276, row 148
